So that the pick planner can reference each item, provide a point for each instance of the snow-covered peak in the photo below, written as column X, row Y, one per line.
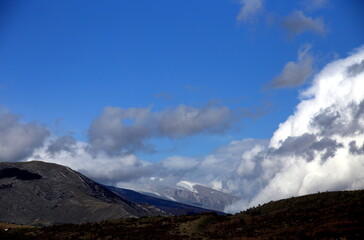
column 187, row 185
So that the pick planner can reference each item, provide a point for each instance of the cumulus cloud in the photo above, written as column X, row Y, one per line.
column 298, row 23
column 18, row 140
column 332, row 96
column 316, row 148
column 249, row 8
column 119, row 130
column 295, row 73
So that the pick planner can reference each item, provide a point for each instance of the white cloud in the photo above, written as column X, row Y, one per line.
column 249, row 8
column 18, row 140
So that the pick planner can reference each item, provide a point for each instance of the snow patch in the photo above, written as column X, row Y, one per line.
column 171, row 198
column 187, row 185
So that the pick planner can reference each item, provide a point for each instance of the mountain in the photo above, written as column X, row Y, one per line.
column 193, row 194
column 168, row 206
column 46, row 193
column 329, row 215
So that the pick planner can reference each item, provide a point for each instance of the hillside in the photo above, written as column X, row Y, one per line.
column 331, row 215
column 45, row 193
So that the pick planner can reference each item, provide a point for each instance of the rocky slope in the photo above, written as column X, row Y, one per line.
column 45, row 193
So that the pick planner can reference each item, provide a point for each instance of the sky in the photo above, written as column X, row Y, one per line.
column 259, row 98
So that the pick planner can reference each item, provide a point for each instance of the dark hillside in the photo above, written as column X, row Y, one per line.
column 326, row 215
column 45, row 193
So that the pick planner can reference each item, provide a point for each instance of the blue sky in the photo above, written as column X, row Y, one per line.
column 63, row 62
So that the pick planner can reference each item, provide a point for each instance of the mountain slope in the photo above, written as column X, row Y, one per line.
column 171, row 207
column 45, row 193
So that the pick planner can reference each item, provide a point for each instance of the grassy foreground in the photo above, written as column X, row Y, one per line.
column 330, row 215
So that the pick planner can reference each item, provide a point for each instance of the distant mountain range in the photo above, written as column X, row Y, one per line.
column 168, row 206
column 46, row 193
column 194, row 194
